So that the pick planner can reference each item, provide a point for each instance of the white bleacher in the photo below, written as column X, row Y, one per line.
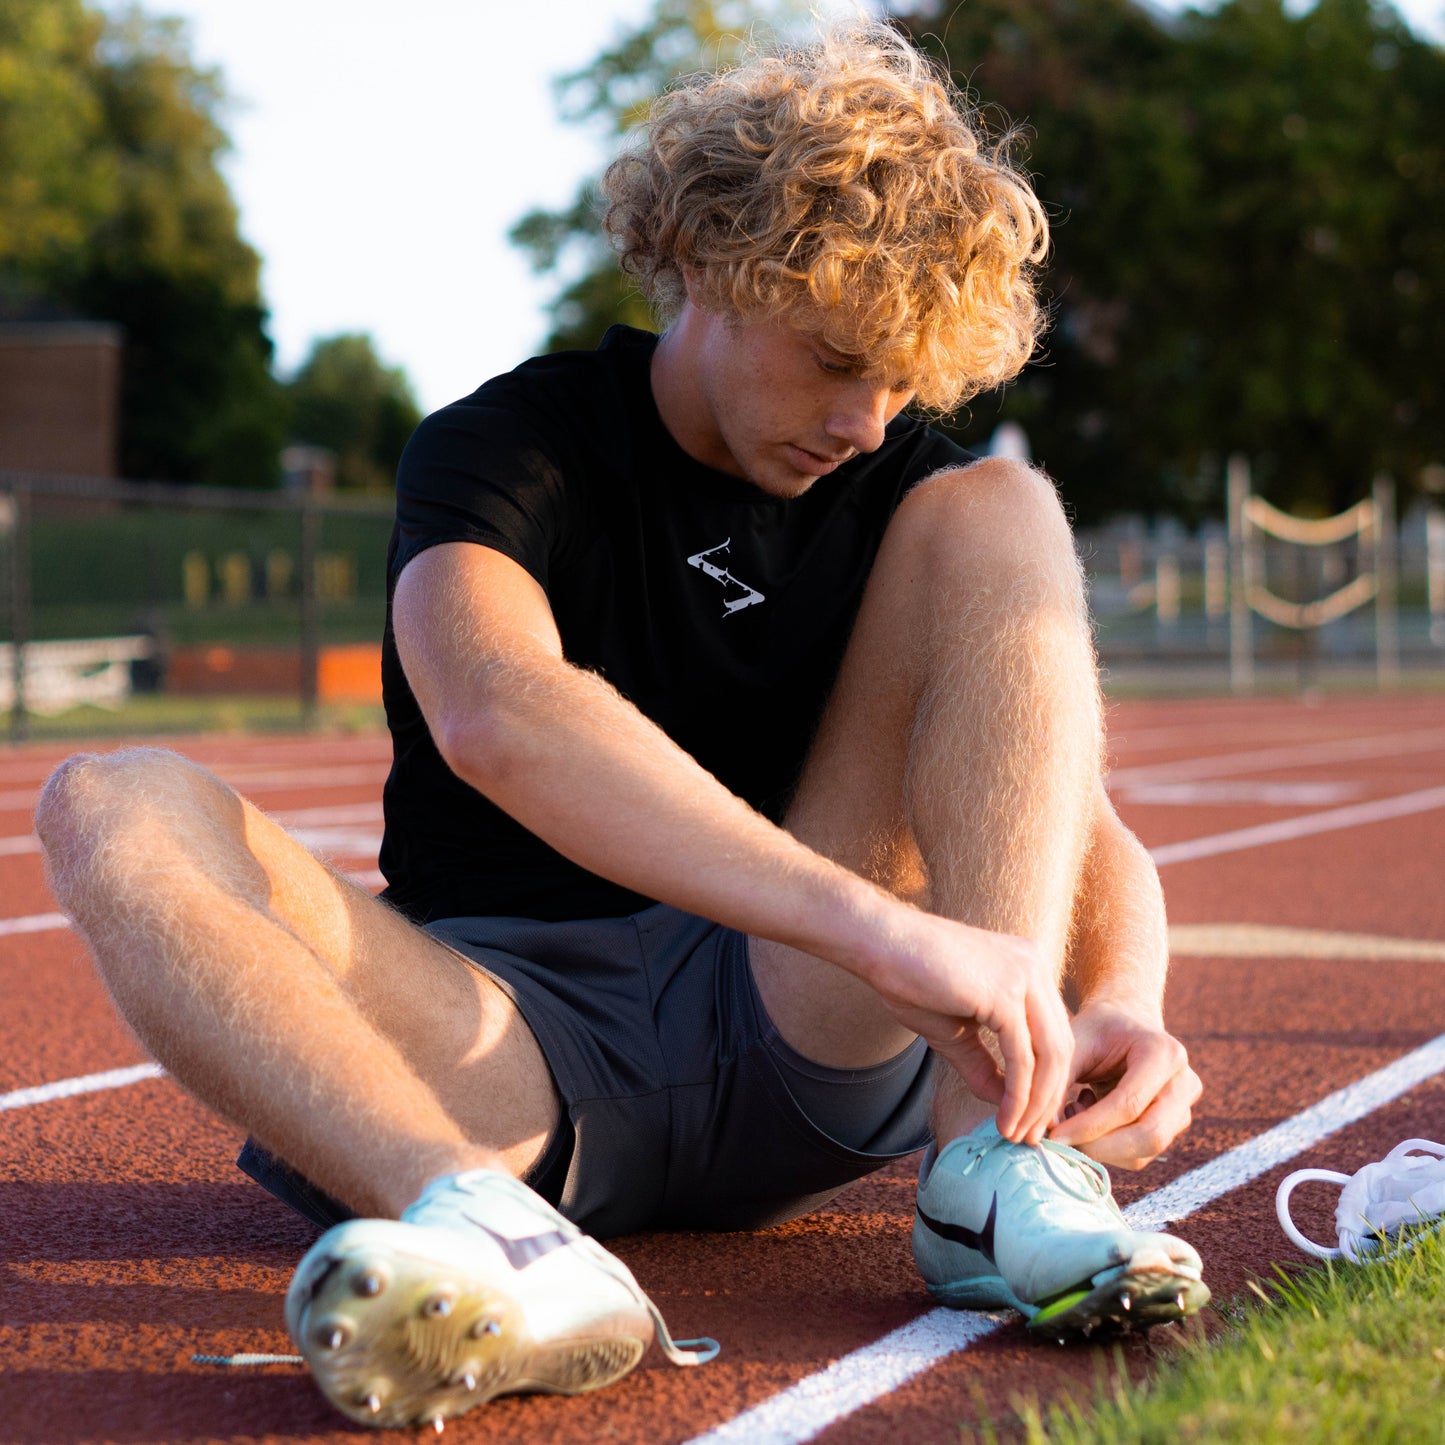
column 61, row 675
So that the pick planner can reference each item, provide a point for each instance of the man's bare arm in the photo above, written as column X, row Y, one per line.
column 574, row 762
column 1119, row 957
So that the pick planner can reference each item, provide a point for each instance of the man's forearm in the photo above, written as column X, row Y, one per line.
column 577, row 764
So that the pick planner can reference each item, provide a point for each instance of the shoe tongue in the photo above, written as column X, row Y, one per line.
column 503, row 1202
column 975, row 1141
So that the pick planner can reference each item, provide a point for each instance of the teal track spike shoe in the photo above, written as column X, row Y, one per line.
column 1036, row 1229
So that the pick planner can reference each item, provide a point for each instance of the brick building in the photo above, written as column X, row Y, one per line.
column 60, row 397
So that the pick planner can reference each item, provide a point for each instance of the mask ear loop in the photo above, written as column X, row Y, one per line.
column 1281, row 1208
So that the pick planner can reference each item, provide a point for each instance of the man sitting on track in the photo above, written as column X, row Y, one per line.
column 746, row 802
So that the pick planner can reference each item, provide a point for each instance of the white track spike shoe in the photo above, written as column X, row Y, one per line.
column 1037, row 1230
column 1380, row 1205
column 481, row 1289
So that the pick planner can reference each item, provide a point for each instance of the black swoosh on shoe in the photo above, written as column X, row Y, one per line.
column 980, row 1240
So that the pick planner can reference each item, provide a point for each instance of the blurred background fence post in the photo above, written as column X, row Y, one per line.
column 1241, row 623
column 1435, row 573
column 1386, row 561
column 15, row 524
column 310, row 614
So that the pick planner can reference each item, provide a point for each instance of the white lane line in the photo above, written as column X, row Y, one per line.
column 1285, row 830
column 338, row 842
column 1263, row 940
column 337, row 777
column 272, row 778
column 34, row 923
column 1227, row 1172
column 368, row 878
column 806, row 1409
column 324, row 817
column 85, row 1084
column 1300, row 755
column 1243, row 790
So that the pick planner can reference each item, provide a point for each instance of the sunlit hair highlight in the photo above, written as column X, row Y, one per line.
column 848, row 188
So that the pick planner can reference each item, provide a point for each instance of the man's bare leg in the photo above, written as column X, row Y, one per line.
column 960, row 751
column 959, row 764
column 373, row 1059
column 347, row 1040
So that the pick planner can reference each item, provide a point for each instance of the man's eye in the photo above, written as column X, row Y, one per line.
column 834, row 368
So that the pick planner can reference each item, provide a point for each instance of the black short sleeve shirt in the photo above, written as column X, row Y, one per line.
column 719, row 611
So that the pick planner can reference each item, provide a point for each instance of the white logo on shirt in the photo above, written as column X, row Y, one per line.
column 750, row 595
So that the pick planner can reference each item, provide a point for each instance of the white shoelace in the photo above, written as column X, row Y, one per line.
column 1406, row 1187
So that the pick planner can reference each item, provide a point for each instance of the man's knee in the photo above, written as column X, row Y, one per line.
column 995, row 529
column 95, row 805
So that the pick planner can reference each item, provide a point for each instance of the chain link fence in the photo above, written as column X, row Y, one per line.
column 136, row 603
column 115, row 592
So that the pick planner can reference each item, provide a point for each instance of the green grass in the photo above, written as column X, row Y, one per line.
column 1337, row 1353
column 98, row 573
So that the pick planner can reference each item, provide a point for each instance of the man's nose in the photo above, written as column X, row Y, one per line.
column 860, row 417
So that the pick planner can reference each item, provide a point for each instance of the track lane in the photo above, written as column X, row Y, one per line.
column 785, row 1300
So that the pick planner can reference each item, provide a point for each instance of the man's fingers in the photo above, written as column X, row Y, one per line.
column 1151, row 1069
column 1143, row 1139
column 1053, row 1043
column 1018, row 1077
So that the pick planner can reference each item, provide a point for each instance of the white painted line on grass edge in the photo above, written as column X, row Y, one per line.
column 806, row 1409
column 1287, row 829
column 85, row 1084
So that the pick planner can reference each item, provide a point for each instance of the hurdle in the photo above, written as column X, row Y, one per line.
column 1251, row 518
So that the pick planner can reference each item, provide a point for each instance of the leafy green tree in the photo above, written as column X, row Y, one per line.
column 614, row 93
column 1247, row 206
column 345, row 398
column 1244, row 202
column 112, row 207
column 54, row 183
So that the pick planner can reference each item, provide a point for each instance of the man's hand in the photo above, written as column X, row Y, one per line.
column 1153, row 1087
column 947, row 982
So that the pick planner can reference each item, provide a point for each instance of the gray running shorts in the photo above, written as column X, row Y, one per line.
column 683, row 1107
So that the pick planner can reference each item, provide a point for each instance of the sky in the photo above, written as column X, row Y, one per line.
column 381, row 153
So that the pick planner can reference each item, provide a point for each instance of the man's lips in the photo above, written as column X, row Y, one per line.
column 816, row 462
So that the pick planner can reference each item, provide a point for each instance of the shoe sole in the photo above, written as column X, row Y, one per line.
column 1135, row 1300
column 396, row 1338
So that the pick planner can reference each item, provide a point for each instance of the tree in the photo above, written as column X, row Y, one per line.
column 1243, row 203
column 114, row 208
column 1247, row 206
column 345, row 398
column 615, row 91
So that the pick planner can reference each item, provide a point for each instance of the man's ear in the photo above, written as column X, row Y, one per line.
column 692, row 284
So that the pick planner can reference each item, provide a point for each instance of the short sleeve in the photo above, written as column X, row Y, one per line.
column 476, row 472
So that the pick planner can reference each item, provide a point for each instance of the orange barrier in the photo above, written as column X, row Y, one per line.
column 345, row 673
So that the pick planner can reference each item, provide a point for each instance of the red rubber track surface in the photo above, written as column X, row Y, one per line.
column 128, row 1241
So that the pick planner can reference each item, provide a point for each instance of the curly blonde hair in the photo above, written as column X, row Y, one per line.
column 848, row 188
